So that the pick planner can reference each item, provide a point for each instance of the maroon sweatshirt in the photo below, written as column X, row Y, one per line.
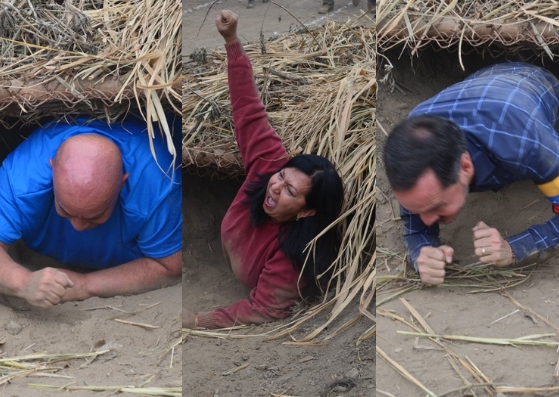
column 253, row 253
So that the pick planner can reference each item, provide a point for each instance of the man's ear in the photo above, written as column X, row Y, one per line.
column 467, row 169
column 124, row 178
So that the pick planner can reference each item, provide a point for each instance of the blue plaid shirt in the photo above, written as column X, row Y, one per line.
column 508, row 113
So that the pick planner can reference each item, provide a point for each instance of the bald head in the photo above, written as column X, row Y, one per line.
column 87, row 179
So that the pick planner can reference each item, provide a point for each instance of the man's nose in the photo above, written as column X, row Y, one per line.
column 79, row 224
column 429, row 219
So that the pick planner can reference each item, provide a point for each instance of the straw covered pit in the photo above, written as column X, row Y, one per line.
column 99, row 58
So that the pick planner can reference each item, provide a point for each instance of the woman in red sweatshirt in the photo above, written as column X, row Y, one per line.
column 282, row 205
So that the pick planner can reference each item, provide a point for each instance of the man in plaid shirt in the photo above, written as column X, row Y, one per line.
column 492, row 129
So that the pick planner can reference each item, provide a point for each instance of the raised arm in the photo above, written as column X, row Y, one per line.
column 258, row 142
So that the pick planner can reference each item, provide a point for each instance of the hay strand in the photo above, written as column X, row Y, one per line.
column 402, row 371
column 529, row 340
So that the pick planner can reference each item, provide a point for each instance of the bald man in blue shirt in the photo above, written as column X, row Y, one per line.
column 91, row 195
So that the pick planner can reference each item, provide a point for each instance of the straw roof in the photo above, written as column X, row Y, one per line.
column 319, row 89
column 498, row 26
column 99, row 57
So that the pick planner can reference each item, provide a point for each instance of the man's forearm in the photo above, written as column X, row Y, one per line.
column 13, row 276
column 43, row 288
column 134, row 277
column 536, row 239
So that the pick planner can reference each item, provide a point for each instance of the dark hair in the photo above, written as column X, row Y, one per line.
column 326, row 197
column 420, row 143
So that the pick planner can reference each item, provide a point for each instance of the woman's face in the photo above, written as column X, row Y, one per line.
column 285, row 195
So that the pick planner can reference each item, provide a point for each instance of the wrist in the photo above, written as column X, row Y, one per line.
column 231, row 39
column 512, row 255
column 80, row 290
column 20, row 282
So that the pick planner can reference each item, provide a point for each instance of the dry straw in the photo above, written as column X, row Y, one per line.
column 319, row 89
column 40, row 365
column 422, row 329
column 48, row 365
column 94, row 57
column 142, row 391
column 473, row 280
column 497, row 26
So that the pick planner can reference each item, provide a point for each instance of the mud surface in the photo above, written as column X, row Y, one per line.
column 137, row 356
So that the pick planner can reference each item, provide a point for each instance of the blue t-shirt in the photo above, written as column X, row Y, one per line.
column 146, row 221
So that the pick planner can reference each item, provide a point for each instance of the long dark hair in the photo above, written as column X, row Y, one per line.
column 326, row 197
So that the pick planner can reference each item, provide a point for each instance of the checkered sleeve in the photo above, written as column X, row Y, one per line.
column 508, row 113
column 417, row 235
column 538, row 238
column 535, row 239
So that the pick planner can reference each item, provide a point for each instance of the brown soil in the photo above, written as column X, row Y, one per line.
column 273, row 367
column 138, row 357
column 455, row 311
column 332, row 368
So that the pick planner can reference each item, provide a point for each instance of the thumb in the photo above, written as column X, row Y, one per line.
column 448, row 252
column 479, row 225
column 68, row 283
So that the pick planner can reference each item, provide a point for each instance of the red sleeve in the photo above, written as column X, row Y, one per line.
column 275, row 293
column 261, row 148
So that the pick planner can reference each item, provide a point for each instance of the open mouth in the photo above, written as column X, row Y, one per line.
column 269, row 202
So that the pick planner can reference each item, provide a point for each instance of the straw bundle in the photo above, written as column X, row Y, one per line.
column 512, row 25
column 302, row 79
column 41, row 365
column 474, row 280
column 98, row 57
column 319, row 89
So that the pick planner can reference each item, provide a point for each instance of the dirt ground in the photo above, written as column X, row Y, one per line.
column 332, row 368
column 268, row 18
column 137, row 356
column 455, row 310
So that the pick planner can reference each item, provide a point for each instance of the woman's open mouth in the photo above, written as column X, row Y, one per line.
column 269, row 202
